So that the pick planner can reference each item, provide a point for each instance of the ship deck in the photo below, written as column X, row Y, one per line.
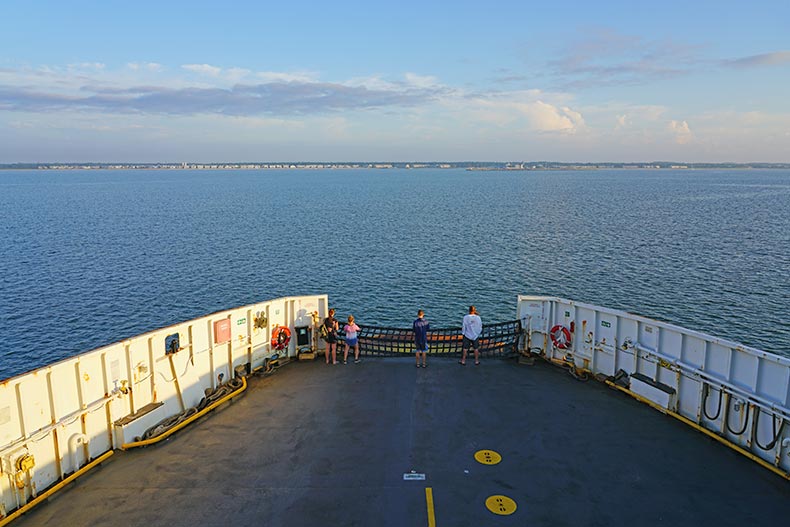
column 329, row 445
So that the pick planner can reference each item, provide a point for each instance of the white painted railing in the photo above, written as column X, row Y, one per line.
column 738, row 393
column 57, row 419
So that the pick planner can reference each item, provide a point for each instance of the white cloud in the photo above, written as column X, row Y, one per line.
column 421, row 81
column 149, row 66
column 681, row 131
column 544, row 117
column 90, row 66
column 203, row 69
column 280, row 76
column 236, row 74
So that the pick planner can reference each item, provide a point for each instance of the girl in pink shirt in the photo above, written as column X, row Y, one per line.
column 351, row 330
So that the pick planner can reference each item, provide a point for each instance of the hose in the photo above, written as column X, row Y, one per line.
column 705, row 402
column 770, row 446
column 165, row 424
column 745, row 420
column 211, row 396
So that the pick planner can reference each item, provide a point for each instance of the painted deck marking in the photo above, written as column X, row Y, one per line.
column 413, row 476
column 487, row 457
column 429, row 503
column 502, row 505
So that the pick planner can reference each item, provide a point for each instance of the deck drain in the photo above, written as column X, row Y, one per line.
column 501, row 505
column 487, row 457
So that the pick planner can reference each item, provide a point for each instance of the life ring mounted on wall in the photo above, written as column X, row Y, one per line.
column 281, row 337
column 560, row 337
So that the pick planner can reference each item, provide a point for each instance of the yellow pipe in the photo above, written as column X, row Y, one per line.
column 26, row 507
column 720, row 439
column 182, row 424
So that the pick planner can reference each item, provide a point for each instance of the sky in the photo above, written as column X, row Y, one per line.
column 111, row 81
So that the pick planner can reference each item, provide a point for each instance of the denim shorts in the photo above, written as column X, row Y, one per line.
column 352, row 342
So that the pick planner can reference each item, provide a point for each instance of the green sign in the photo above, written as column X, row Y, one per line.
column 241, row 321
column 567, row 313
column 606, row 324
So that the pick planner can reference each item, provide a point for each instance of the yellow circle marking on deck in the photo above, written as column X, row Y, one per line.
column 487, row 457
column 502, row 505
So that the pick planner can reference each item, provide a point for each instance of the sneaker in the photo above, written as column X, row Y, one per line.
column 424, row 365
column 344, row 362
column 357, row 361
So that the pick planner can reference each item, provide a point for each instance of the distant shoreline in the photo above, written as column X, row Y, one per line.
column 471, row 166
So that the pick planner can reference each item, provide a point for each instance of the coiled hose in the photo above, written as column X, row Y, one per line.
column 211, row 396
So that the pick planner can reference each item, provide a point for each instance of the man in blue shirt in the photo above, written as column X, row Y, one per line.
column 421, row 328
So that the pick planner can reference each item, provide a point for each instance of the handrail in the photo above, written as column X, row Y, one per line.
column 759, row 401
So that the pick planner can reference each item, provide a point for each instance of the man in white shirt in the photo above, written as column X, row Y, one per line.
column 472, row 328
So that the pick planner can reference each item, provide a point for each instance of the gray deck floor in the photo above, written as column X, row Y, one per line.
column 329, row 445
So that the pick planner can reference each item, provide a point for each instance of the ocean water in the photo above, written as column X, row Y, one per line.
column 91, row 257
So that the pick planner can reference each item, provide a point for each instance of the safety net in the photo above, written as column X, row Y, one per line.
column 496, row 340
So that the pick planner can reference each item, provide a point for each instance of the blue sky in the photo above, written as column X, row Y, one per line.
column 333, row 81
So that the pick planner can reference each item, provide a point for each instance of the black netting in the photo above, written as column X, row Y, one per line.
column 497, row 340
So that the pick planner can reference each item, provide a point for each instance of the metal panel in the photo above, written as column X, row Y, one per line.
column 772, row 381
column 717, row 360
column 64, row 377
column 33, row 400
column 10, row 422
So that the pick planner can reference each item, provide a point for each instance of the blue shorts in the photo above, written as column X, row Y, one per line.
column 422, row 351
column 352, row 342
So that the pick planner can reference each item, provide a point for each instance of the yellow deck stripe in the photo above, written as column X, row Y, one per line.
column 429, row 501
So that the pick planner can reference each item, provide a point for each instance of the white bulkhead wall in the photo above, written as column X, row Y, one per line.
column 63, row 415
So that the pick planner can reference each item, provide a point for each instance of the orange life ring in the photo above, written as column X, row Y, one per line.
column 560, row 337
column 281, row 336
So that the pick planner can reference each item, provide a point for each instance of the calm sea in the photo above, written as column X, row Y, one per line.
column 91, row 257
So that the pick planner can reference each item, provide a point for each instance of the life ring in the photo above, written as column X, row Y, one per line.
column 281, row 336
column 560, row 337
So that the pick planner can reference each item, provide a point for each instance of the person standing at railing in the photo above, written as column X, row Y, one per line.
column 330, row 329
column 421, row 328
column 351, row 330
column 472, row 328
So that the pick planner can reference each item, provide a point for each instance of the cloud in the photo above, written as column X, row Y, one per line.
column 82, row 66
column 274, row 76
column 764, row 59
column 523, row 111
column 150, row 66
column 421, row 81
column 274, row 98
column 607, row 57
column 203, row 69
column 681, row 132
column 545, row 117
